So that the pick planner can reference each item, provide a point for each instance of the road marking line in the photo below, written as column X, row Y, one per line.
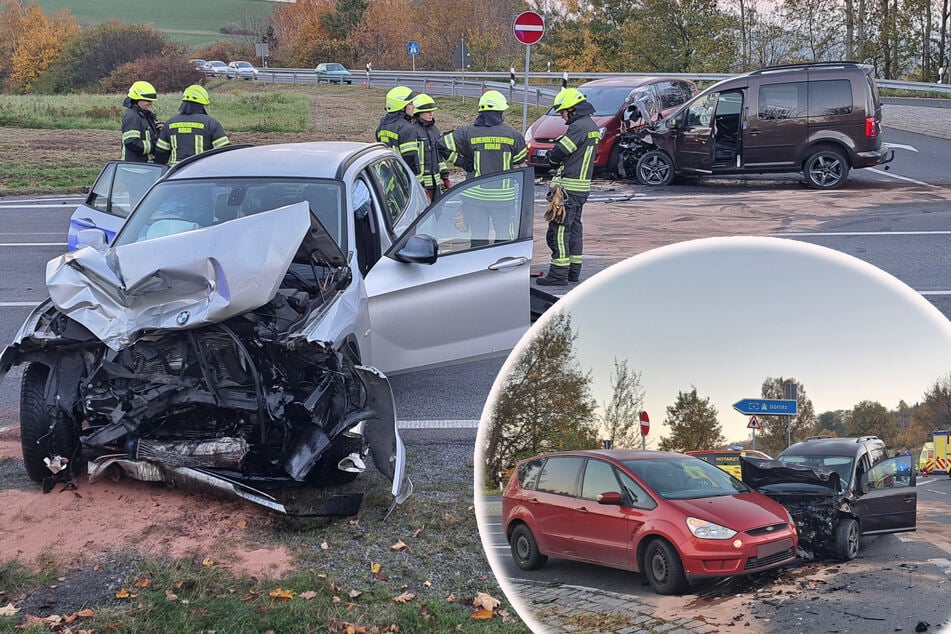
column 934, row 292
column 901, row 178
column 32, row 244
column 20, row 304
column 941, row 232
column 910, row 148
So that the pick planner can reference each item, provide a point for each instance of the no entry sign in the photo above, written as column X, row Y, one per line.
column 529, row 27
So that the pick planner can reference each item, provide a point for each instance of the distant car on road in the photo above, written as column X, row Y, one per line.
column 672, row 517
column 217, row 68
column 244, row 70
column 332, row 72
column 198, row 63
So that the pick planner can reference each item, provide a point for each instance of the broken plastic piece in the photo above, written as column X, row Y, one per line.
column 57, row 464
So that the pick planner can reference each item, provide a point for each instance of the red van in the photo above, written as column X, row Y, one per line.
column 610, row 97
column 672, row 517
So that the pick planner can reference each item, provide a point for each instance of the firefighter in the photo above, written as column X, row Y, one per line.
column 140, row 128
column 573, row 158
column 396, row 127
column 431, row 169
column 488, row 146
column 191, row 131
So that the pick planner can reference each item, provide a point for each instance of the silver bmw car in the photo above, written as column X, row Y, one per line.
column 235, row 333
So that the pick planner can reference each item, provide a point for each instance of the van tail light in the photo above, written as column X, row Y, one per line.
column 871, row 128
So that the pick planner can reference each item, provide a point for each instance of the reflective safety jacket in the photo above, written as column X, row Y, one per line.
column 396, row 131
column 190, row 132
column 486, row 147
column 139, row 134
column 430, row 153
column 573, row 152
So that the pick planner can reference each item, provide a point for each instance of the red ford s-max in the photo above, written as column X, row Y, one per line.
column 670, row 516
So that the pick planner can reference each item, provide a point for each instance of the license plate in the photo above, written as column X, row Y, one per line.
column 541, row 153
column 772, row 548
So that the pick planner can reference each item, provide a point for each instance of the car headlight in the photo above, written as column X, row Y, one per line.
column 703, row 529
column 603, row 130
column 528, row 135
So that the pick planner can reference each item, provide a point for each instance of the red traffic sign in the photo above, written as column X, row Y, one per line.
column 645, row 423
column 529, row 27
column 754, row 423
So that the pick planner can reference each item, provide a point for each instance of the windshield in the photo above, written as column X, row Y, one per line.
column 178, row 206
column 606, row 100
column 685, row 479
column 840, row 464
column 334, row 67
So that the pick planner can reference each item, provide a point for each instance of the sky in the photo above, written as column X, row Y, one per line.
column 722, row 314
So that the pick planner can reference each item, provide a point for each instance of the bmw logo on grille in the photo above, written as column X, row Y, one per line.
column 182, row 318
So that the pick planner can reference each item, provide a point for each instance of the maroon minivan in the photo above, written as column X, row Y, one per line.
column 673, row 517
column 610, row 98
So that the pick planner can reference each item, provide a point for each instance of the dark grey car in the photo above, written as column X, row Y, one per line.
column 838, row 489
column 821, row 119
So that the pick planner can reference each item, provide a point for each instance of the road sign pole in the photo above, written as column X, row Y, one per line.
column 528, row 54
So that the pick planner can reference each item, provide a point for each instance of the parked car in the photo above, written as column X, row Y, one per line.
column 821, row 119
column 332, row 72
column 244, row 70
column 234, row 334
column 673, row 517
column 727, row 459
column 610, row 97
column 198, row 63
column 217, row 68
column 838, row 489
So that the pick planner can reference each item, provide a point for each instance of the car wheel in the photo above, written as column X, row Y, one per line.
column 826, row 169
column 525, row 549
column 663, row 568
column 655, row 168
column 847, row 539
column 43, row 430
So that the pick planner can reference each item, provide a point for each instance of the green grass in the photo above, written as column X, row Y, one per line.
column 185, row 21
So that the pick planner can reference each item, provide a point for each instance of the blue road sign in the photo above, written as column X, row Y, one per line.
column 412, row 48
column 768, row 407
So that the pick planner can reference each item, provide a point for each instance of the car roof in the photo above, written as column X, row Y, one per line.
column 315, row 159
column 827, row 446
column 618, row 454
column 632, row 82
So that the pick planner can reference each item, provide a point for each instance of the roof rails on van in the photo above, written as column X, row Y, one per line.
column 857, row 440
column 817, row 438
column 805, row 66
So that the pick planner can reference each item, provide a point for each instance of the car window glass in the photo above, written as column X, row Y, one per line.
column 729, row 104
column 636, row 495
column 700, row 112
column 560, row 475
column 782, row 101
column 891, row 474
column 685, row 479
column 395, row 184
column 598, row 478
column 528, row 474
column 179, row 206
column 673, row 93
column 475, row 214
column 606, row 100
column 118, row 191
column 830, row 97
column 98, row 197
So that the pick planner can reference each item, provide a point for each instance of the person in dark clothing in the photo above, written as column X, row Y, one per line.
column 396, row 127
column 191, row 131
column 432, row 172
column 573, row 158
column 140, row 128
column 488, row 146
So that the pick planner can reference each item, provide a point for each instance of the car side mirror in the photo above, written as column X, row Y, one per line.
column 610, row 497
column 94, row 238
column 419, row 249
column 673, row 124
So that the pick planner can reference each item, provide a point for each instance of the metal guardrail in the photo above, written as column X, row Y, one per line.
column 457, row 81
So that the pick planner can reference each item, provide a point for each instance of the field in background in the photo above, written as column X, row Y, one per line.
column 185, row 21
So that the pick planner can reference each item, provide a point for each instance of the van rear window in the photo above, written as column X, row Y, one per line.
column 830, row 97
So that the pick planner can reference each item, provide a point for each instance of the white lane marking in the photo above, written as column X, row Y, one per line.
column 20, row 304
column 902, row 146
column 901, row 178
column 32, row 244
column 934, row 292
column 438, row 424
column 862, row 233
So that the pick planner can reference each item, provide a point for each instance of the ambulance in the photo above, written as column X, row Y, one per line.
column 942, row 450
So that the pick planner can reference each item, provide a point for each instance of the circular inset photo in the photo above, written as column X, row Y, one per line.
column 728, row 433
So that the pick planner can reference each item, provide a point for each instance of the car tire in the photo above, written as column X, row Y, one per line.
column 525, row 549
column 663, row 568
column 655, row 169
column 826, row 168
column 847, row 539
column 43, row 430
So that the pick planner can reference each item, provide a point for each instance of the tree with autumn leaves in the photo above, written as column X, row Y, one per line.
column 30, row 41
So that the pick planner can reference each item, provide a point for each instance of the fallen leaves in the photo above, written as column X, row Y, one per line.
column 8, row 610
column 281, row 595
column 400, row 545
column 406, row 597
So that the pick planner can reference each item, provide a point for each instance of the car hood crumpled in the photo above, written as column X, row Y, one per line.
column 758, row 473
column 180, row 281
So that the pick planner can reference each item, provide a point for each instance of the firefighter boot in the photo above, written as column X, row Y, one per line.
column 557, row 276
column 574, row 272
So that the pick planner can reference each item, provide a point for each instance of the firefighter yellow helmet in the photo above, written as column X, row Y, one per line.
column 568, row 98
column 398, row 98
column 196, row 94
column 142, row 91
column 493, row 100
column 423, row 103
